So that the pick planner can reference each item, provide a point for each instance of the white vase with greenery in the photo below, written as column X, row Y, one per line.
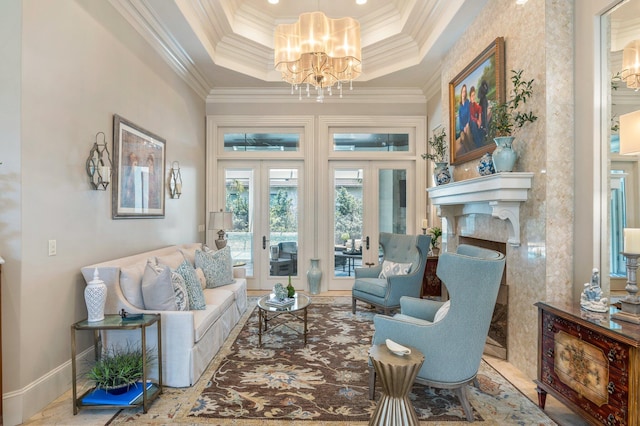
column 438, row 144
column 507, row 117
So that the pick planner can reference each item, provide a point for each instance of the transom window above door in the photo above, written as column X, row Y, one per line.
column 370, row 142
column 261, row 142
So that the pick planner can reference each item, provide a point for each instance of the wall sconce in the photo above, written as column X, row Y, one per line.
column 99, row 164
column 175, row 180
column 221, row 221
column 631, row 65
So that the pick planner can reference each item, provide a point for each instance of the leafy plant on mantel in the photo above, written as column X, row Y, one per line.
column 439, row 146
column 507, row 116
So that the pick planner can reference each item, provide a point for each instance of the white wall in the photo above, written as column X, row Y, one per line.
column 81, row 63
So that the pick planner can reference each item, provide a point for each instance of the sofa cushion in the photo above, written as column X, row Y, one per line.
column 217, row 266
column 390, row 268
column 131, row 283
column 218, row 300
column 194, row 290
column 157, row 288
column 172, row 260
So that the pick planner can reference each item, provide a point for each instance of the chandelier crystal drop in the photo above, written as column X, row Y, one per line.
column 318, row 52
column 631, row 65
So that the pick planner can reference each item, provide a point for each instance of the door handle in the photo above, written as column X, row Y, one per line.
column 367, row 242
column 264, row 242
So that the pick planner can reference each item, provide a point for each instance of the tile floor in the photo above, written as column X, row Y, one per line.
column 60, row 412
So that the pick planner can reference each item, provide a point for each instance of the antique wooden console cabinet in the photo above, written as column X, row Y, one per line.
column 589, row 362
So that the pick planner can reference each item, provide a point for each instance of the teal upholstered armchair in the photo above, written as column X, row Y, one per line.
column 452, row 334
column 386, row 292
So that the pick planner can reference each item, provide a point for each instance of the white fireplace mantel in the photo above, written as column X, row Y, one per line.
column 498, row 195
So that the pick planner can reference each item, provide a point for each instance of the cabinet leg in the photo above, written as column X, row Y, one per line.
column 542, row 397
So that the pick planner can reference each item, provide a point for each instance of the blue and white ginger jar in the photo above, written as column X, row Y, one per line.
column 485, row 166
column 441, row 174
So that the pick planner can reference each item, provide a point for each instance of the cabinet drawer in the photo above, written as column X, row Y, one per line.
column 615, row 412
column 616, row 353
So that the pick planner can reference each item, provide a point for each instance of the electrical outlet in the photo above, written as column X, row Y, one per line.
column 52, row 247
column 200, row 228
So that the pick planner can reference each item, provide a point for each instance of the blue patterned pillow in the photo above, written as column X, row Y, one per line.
column 217, row 266
column 180, row 290
column 194, row 291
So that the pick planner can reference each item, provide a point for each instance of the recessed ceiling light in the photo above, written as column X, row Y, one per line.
column 521, row 1
column 274, row 1
column 361, row 1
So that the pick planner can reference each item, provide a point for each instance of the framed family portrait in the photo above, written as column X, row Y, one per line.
column 139, row 163
column 472, row 94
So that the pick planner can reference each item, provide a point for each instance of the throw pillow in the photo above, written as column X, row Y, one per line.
column 440, row 313
column 194, row 291
column 180, row 291
column 201, row 277
column 390, row 268
column 130, row 283
column 157, row 289
column 217, row 266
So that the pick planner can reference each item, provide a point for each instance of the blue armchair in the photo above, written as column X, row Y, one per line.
column 453, row 342
column 385, row 293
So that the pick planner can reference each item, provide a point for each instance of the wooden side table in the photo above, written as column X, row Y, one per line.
column 397, row 374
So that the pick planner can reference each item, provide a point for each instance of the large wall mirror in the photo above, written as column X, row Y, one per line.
column 621, row 29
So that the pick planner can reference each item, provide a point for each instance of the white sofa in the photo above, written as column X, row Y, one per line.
column 190, row 339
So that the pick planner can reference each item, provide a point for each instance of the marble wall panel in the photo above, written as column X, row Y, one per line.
column 538, row 39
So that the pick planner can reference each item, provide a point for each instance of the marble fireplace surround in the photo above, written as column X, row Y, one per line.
column 498, row 195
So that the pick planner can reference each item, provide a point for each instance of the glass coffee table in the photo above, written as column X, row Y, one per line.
column 268, row 313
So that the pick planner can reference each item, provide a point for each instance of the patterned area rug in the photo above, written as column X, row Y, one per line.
column 324, row 382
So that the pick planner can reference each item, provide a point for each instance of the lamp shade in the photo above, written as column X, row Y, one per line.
column 630, row 133
column 220, row 220
column 631, row 64
column 318, row 51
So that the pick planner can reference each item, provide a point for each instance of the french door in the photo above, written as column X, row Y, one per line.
column 368, row 197
column 266, row 198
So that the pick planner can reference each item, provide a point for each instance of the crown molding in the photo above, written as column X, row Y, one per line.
column 140, row 16
column 252, row 95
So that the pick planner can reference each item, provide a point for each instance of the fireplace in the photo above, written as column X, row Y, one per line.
column 497, row 340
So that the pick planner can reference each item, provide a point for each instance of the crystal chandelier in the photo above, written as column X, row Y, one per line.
column 318, row 51
column 631, row 65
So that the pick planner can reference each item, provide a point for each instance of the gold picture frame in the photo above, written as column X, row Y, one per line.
column 469, row 121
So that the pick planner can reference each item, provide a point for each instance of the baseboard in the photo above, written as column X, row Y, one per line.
column 20, row 405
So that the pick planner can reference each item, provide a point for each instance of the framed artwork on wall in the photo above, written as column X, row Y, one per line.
column 139, row 162
column 472, row 94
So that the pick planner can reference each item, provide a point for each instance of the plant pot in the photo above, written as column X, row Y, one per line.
column 504, row 157
column 119, row 390
column 441, row 174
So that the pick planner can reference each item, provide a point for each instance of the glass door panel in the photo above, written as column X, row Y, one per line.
column 264, row 240
column 368, row 198
column 239, row 188
column 283, row 222
column 348, row 220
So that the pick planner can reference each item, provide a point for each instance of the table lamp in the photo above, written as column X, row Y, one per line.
column 221, row 221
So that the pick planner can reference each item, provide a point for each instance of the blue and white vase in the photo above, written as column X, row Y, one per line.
column 441, row 174
column 504, row 157
column 485, row 166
